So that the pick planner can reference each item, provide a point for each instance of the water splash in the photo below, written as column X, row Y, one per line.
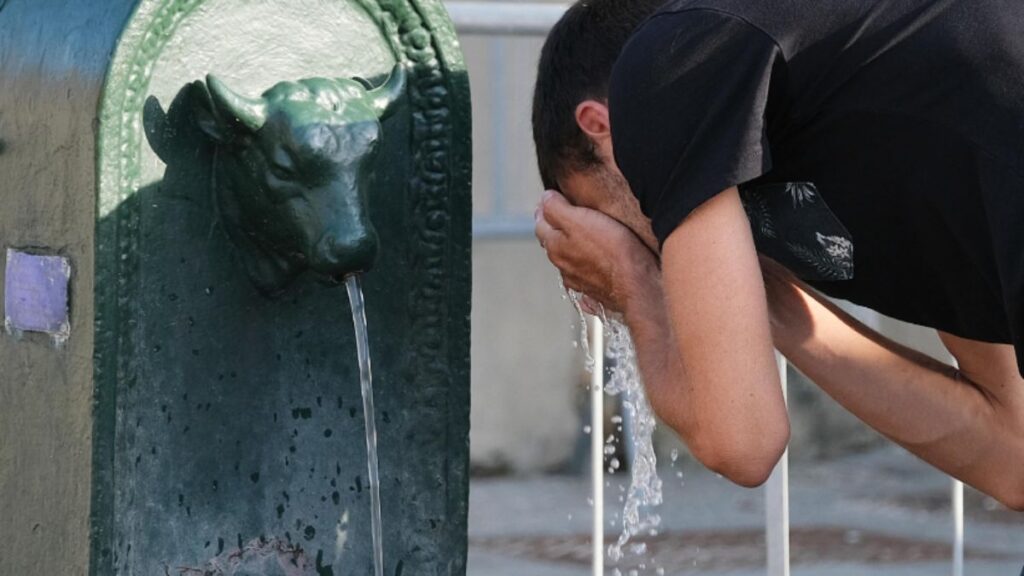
column 584, row 342
column 355, row 296
column 645, row 489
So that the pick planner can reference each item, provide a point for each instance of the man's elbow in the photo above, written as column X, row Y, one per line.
column 745, row 459
column 1011, row 492
column 1013, row 501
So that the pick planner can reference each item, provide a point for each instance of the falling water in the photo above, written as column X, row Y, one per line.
column 584, row 342
column 355, row 296
column 645, row 489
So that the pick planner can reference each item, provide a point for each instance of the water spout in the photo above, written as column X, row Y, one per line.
column 355, row 296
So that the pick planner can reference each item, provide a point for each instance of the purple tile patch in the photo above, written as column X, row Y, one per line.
column 36, row 293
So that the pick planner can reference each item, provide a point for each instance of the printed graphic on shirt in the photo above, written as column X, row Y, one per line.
column 793, row 226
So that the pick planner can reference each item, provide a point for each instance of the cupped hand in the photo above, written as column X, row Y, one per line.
column 596, row 254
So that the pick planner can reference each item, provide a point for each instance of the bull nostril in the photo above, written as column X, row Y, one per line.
column 338, row 255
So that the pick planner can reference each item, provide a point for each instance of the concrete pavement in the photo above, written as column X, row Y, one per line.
column 879, row 513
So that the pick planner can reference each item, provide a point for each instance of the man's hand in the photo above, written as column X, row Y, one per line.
column 596, row 254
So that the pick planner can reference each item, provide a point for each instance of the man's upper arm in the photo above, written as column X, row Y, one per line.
column 719, row 315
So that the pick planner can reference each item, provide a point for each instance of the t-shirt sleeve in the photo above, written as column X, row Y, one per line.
column 688, row 98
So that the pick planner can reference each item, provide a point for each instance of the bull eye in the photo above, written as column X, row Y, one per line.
column 281, row 172
column 282, row 164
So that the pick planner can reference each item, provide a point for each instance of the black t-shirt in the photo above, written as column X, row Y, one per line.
column 906, row 115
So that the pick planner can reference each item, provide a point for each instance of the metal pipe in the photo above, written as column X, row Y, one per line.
column 957, row 508
column 597, row 442
column 509, row 18
column 958, row 527
column 776, row 503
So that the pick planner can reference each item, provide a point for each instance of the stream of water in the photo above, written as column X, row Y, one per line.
column 640, row 501
column 645, row 488
column 355, row 296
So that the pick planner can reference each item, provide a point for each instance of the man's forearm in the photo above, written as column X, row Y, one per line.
column 658, row 360
column 718, row 425
column 920, row 403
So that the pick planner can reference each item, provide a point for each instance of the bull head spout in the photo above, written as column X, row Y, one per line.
column 290, row 170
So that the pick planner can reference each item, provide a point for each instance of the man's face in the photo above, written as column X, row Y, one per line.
column 603, row 188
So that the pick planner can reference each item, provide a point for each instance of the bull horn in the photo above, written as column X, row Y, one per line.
column 251, row 112
column 384, row 96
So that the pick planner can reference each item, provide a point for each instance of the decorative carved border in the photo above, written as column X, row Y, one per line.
column 421, row 36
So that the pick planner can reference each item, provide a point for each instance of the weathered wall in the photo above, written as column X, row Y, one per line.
column 52, row 58
column 526, row 376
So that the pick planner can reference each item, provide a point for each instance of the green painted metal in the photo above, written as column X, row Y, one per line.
column 287, row 172
column 227, row 432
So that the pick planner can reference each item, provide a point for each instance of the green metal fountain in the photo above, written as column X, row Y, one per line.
column 187, row 185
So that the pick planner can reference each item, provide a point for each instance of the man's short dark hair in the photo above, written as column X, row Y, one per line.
column 575, row 65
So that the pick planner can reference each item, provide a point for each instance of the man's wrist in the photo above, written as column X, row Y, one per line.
column 645, row 299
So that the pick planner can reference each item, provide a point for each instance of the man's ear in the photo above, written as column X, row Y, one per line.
column 592, row 118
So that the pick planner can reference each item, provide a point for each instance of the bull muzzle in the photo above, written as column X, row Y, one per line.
column 343, row 253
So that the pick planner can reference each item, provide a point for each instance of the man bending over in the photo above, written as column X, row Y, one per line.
column 871, row 151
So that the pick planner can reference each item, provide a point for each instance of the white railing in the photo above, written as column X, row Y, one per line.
column 505, row 18
column 496, row 19
column 597, row 443
column 776, row 500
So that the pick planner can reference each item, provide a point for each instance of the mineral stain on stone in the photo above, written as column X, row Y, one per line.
column 262, row 556
column 321, row 569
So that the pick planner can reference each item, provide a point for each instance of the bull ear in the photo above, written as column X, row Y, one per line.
column 384, row 97
column 154, row 122
column 231, row 107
